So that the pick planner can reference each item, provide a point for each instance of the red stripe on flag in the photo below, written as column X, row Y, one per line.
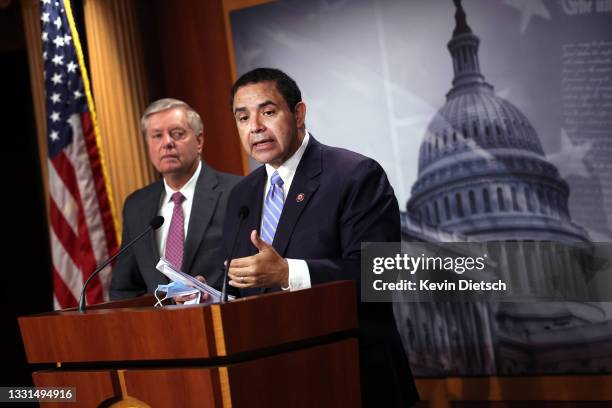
column 62, row 293
column 102, row 194
column 63, row 231
column 65, row 171
column 87, row 260
column 76, row 249
column 79, row 247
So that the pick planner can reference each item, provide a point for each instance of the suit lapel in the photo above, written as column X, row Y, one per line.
column 150, row 209
column 256, row 190
column 205, row 200
column 303, row 187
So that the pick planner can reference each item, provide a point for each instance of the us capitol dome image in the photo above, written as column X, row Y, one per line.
column 483, row 177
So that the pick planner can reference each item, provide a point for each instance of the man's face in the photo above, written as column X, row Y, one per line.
column 267, row 127
column 174, row 148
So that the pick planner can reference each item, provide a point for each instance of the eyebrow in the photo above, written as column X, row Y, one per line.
column 160, row 130
column 261, row 105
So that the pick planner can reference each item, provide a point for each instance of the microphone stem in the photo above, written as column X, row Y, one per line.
column 82, row 302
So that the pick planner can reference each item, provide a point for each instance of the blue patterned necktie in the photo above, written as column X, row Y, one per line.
column 273, row 208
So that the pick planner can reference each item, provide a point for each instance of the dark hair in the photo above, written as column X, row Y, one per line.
column 285, row 85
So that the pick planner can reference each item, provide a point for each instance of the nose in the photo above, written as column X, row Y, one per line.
column 256, row 125
column 167, row 140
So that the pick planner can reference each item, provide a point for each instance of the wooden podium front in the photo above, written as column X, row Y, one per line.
column 279, row 349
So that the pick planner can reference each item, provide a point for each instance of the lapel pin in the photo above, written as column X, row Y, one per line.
column 299, row 198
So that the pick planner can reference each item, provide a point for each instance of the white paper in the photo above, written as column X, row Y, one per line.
column 214, row 296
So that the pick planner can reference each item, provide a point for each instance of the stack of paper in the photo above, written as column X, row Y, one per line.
column 214, row 296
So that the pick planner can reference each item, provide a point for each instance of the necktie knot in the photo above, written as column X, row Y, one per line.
column 276, row 179
column 177, row 198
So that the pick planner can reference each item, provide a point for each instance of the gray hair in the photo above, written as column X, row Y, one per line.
column 193, row 118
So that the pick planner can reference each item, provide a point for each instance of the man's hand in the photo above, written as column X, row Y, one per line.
column 179, row 300
column 264, row 270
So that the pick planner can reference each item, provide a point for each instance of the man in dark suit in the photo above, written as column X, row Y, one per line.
column 191, row 197
column 313, row 206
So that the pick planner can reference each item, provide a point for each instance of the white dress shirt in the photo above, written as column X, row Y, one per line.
column 299, row 274
column 166, row 208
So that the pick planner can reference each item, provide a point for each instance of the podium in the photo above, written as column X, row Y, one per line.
column 279, row 349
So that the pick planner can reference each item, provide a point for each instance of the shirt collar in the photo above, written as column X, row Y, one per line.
column 188, row 190
column 287, row 170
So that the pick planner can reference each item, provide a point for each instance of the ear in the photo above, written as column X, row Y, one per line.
column 200, row 140
column 300, row 114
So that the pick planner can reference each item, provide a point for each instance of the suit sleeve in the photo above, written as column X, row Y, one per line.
column 368, row 213
column 126, row 280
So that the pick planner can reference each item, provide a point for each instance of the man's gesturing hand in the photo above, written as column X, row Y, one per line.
column 264, row 270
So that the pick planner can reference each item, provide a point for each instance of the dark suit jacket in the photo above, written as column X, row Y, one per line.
column 347, row 200
column 134, row 273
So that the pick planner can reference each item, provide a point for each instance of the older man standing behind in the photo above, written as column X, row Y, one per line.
column 191, row 197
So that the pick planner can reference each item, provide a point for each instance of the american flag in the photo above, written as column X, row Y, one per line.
column 82, row 228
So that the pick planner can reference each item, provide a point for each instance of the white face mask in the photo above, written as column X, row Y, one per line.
column 174, row 289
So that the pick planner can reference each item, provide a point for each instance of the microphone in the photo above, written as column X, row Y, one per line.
column 243, row 212
column 154, row 224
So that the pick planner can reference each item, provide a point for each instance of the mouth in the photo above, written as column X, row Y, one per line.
column 262, row 144
column 169, row 157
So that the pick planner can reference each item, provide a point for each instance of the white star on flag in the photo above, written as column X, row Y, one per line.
column 528, row 9
column 45, row 36
column 45, row 55
column 77, row 94
column 55, row 116
column 54, row 135
column 59, row 41
column 58, row 22
column 56, row 98
column 45, row 17
column 56, row 78
column 46, row 1
column 569, row 160
column 67, row 39
column 58, row 59
column 71, row 66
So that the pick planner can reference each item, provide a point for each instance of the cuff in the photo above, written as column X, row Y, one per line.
column 299, row 275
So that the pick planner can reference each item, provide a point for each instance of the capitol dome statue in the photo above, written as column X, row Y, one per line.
column 483, row 178
column 482, row 171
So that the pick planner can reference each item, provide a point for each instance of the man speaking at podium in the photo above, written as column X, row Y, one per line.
column 309, row 209
column 191, row 197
